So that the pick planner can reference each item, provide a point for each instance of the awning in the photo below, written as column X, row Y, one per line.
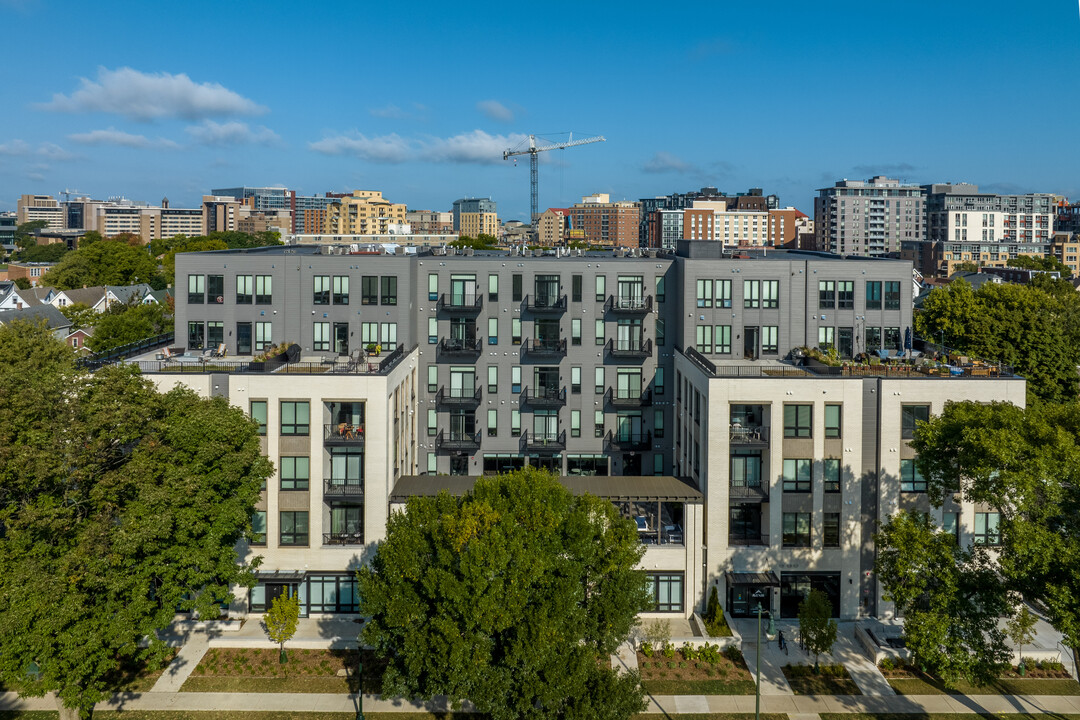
column 279, row 575
column 663, row 488
column 767, row 579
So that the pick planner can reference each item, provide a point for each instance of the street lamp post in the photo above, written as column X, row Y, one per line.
column 360, row 678
column 757, row 685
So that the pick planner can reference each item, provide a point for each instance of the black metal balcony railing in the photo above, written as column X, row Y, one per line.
column 543, row 397
column 343, row 434
column 336, row 487
column 754, row 493
column 545, row 304
column 545, row 347
column 458, row 397
column 748, row 540
column 460, row 348
column 748, row 435
column 622, row 442
column 461, row 302
column 629, row 305
column 626, row 398
column 457, row 440
column 632, row 349
column 343, row 539
column 544, row 441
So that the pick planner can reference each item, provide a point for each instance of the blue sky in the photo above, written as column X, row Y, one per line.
column 418, row 99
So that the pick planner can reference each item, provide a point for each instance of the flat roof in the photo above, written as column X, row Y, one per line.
column 610, row 487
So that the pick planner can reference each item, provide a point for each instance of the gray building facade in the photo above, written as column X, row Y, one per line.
column 870, row 218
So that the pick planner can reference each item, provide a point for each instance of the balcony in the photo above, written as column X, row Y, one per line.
column 749, row 493
column 458, row 397
column 457, row 441
column 744, row 540
column 544, row 397
column 629, row 305
column 550, row 442
column 748, row 436
column 342, row 488
column 338, row 434
column 545, row 348
column 468, row 348
column 454, row 302
column 545, row 304
column 624, row 398
column 628, row 442
column 630, row 349
column 343, row 539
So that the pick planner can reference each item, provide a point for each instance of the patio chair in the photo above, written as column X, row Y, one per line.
column 207, row 354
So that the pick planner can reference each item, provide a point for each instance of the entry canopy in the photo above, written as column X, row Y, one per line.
column 766, row 579
column 279, row 575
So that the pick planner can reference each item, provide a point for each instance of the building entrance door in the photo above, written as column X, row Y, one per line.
column 341, row 338
column 750, row 343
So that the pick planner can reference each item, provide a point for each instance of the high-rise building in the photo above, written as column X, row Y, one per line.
column 551, row 226
column 603, row 222
column 475, row 216
column 869, row 218
column 365, row 212
column 41, row 207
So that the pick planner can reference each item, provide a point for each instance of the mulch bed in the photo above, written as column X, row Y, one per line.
column 678, row 676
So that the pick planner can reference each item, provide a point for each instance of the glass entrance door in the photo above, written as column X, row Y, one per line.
column 243, row 338
column 750, row 343
column 341, row 338
column 463, row 290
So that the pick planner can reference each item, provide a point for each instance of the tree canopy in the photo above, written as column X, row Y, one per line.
column 816, row 626
column 42, row 253
column 24, row 233
column 1049, row 263
column 508, row 597
column 106, row 262
column 118, row 506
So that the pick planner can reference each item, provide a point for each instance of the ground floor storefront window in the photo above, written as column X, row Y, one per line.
column 319, row 592
column 794, row 587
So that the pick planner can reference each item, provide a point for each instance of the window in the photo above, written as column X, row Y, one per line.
column 433, row 286
column 658, row 464
column 892, row 295
column 258, row 414
column 196, row 335
column 515, row 423
column 575, row 380
column 797, row 475
column 369, row 290
column 769, row 343
column 660, row 295
column 264, row 335
column 667, row 591
column 321, row 294
column 575, row 423
column 243, row 290
column 294, row 527
column 264, row 293
column 722, row 339
column 341, row 289
column 515, row 379
column 873, row 294
column 575, row 331
column 598, row 423
column 826, row 294
column 751, row 293
column 337, row 593
column 910, row 417
column 432, row 378
column 704, row 293
column 215, row 289
column 770, row 294
column 658, row 423
column 295, row 473
column 321, row 337
column 389, row 290
column 910, row 479
column 658, row 381
column 892, row 338
column 832, row 421
column 515, row 287
column 196, row 289
column 258, row 528
column 723, row 293
column 575, row 288
column 432, row 422
column 493, row 331
column 830, row 530
column 704, row 342
column 493, row 423
column 798, row 420
column 599, row 332
column 873, row 339
column 388, row 335
column 515, row 331
column 796, row 529
column 825, row 337
column 845, row 295
column 493, row 287
column 433, row 331
column 950, row 523
column 493, row 378
column 599, row 381
column 661, row 332
column 215, row 333
column 294, row 418
column 601, row 288
column 987, row 528
column 830, row 474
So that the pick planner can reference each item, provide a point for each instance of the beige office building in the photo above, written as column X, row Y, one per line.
column 365, row 212
column 41, row 207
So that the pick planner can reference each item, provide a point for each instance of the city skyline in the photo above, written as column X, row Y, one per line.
column 422, row 108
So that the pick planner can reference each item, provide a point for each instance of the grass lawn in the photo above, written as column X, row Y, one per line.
column 258, row 670
column 833, row 680
column 1002, row 686
column 678, row 676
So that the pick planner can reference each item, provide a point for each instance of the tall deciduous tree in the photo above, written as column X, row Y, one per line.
column 118, row 505
column 950, row 597
column 508, row 597
column 108, row 262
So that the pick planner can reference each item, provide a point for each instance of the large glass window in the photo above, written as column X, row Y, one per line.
column 892, row 295
column 798, row 421
column 910, row 417
column 389, row 290
column 587, row 465
column 294, row 527
column 830, row 474
column 751, row 294
column 258, row 528
column 264, row 335
column 832, row 420
column 987, row 528
column 243, row 290
column 873, row 294
column 369, row 290
column 341, row 289
column 769, row 339
column 347, row 467
column 797, row 474
column 910, row 478
column 333, row 594
column 830, row 530
column 264, row 294
column 723, row 293
column 601, row 288
column 770, row 294
column 845, row 295
column 196, row 335
column 196, row 289
column 826, row 294
column 321, row 336
column 321, row 292
column 215, row 289
column 258, row 414
column 215, row 333
column 704, row 293
column 667, row 591
column 796, row 529
column 295, row 473
column 294, row 418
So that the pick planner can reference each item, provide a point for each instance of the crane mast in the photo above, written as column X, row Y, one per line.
column 533, row 150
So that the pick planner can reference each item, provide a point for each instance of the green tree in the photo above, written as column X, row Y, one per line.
column 281, row 621
column 123, row 324
column 118, row 505
column 109, row 262
column 80, row 315
column 510, row 597
column 1048, row 263
column 42, row 253
column 24, row 233
column 966, row 267
column 950, row 598
column 198, row 244
column 1025, row 463
column 23, row 283
column 816, row 626
column 1021, row 629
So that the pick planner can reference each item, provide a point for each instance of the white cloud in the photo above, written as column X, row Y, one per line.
column 148, row 96
column 495, row 110
column 112, row 136
column 477, row 147
column 231, row 133
column 20, row 148
column 381, row 149
column 15, row 147
column 665, row 162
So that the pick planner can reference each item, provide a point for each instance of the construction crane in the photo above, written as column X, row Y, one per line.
column 532, row 151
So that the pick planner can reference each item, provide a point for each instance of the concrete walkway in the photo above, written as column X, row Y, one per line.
column 183, row 664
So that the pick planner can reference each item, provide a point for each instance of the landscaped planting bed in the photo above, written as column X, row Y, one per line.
column 258, row 670
column 828, row 680
column 1041, row 679
column 694, row 672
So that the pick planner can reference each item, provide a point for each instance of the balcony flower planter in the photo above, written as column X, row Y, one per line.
column 276, row 357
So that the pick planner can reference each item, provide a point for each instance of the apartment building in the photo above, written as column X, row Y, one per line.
column 148, row 222
column 602, row 222
column 869, row 218
column 365, row 212
column 30, row 208
column 475, row 216
column 1065, row 246
column 725, row 222
column 428, row 222
column 551, row 227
